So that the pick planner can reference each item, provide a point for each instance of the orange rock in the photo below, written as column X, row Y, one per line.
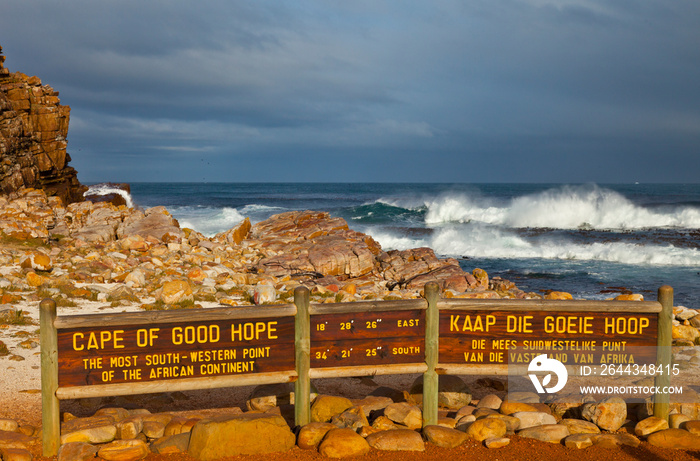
column 37, row 261
column 196, row 274
column 350, row 288
column 482, row 278
column 35, row 280
column 630, row 297
column 560, row 295
column 176, row 291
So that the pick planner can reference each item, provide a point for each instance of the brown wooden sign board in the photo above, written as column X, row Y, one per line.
column 120, row 354
column 367, row 338
column 574, row 338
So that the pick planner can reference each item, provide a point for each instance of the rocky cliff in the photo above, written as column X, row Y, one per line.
column 33, row 130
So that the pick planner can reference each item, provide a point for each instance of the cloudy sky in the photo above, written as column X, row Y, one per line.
column 346, row 91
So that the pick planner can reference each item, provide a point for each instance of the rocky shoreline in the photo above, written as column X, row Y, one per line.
column 127, row 258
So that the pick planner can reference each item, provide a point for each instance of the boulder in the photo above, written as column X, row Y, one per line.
column 176, row 443
column 326, row 406
column 578, row 426
column 342, row 443
column 36, row 260
column 485, row 428
column 609, row 414
column 8, row 425
column 354, row 418
column 614, row 440
column 508, row 407
column 406, row 414
column 123, row 450
column 675, row 438
column 453, row 393
column 264, row 294
column 244, row 434
column 580, row 440
column 444, row 437
column 553, row 433
column 77, row 451
column 176, row 291
column 396, row 440
column 311, row 434
column 496, row 442
column 14, row 440
column 490, row 401
column 94, row 435
column 15, row 454
column 691, row 426
column 650, row 425
column 533, row 418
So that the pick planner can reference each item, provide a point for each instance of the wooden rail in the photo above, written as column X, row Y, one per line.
column 100, row 355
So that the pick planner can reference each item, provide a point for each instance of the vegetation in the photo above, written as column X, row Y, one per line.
column 16, row 317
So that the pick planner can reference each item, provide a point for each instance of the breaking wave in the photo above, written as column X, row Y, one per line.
column 106, row 189
column 566, row 207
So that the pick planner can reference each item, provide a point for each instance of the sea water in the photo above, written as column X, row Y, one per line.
column 593, row 241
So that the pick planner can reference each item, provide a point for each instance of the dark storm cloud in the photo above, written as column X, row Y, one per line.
column 504, row 90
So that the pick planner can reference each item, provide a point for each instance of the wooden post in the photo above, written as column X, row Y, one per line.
column 50, row 419
column 662, row 400
column 430, row 377
column 302, row 351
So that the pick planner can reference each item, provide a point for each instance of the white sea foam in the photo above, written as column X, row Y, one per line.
column 209, row 221
column 566, row 207
column 390, row 241
column 492, row 242
column 105, row 189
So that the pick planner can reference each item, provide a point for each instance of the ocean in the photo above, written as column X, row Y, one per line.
column 591, row 240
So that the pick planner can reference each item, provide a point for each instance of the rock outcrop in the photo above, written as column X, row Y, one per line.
column 33, row 131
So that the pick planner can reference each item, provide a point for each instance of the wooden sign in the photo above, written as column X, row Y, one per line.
column 367, row 338
column 140, row 353
column 516, row 337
